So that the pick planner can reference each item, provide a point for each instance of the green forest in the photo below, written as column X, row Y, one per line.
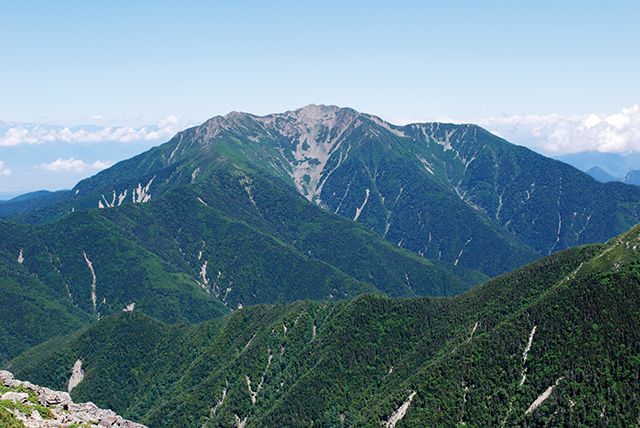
column 566, row 322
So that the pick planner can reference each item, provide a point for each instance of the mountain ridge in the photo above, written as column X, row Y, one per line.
column 552, row 342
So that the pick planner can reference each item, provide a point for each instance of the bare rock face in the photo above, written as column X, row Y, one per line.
column 52, row 409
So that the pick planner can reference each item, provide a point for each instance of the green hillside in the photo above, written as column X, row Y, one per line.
column 59, row 277
column 232, row 239
column 554, row 343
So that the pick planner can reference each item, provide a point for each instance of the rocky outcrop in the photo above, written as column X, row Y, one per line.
column 38, row 407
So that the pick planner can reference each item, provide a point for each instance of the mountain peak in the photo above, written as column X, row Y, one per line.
column 632, row 177
column 317, row 110
column 308, row 117
column 601, row 175
column 212, row 127
column 387, row 178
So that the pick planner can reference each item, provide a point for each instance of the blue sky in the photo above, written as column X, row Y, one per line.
column 560, row 76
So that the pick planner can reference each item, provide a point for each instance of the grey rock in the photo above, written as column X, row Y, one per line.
column 12, row 383
column 47, row 398
column 129, row 424
column 15, row 396
column 30, row 386
column 5, row 375
column 35, row 415
column 64, row 410
column 109, row 421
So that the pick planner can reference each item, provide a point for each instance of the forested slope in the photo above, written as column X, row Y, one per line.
column 234, row 238
column 555, row 342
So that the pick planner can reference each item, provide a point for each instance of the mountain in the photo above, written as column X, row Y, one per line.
column 58, row 277
column 615, row 164
column 31, row 195
column 599, row 174
column 632, row 177
column 306, row 149
column 31, row 201
column 448, row 192
column 198, row 251
column 552, row 343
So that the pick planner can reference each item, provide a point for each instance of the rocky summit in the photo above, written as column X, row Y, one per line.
column 28, row 405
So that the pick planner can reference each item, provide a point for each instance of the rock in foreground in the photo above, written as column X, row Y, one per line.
column 36, row 407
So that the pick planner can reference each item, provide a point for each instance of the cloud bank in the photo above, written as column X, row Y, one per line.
column 557, row 135
column 71, row 165
column 25, row 133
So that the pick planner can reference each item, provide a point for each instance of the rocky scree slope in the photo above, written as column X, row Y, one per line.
column 552, row 343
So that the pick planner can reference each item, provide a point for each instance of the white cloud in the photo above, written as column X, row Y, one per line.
column 73, row 165
column 98, row 117
column 401, row 121
column 166, row 128
column 17, row 134
column 554, row 134
column 3, row 170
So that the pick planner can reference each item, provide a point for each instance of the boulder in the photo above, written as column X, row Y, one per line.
column 47, row 398
column 15, row 396
column 5, row 375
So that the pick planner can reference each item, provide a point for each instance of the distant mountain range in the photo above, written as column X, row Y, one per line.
column 614, row 164
column 601, row 175
column 632, row 177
